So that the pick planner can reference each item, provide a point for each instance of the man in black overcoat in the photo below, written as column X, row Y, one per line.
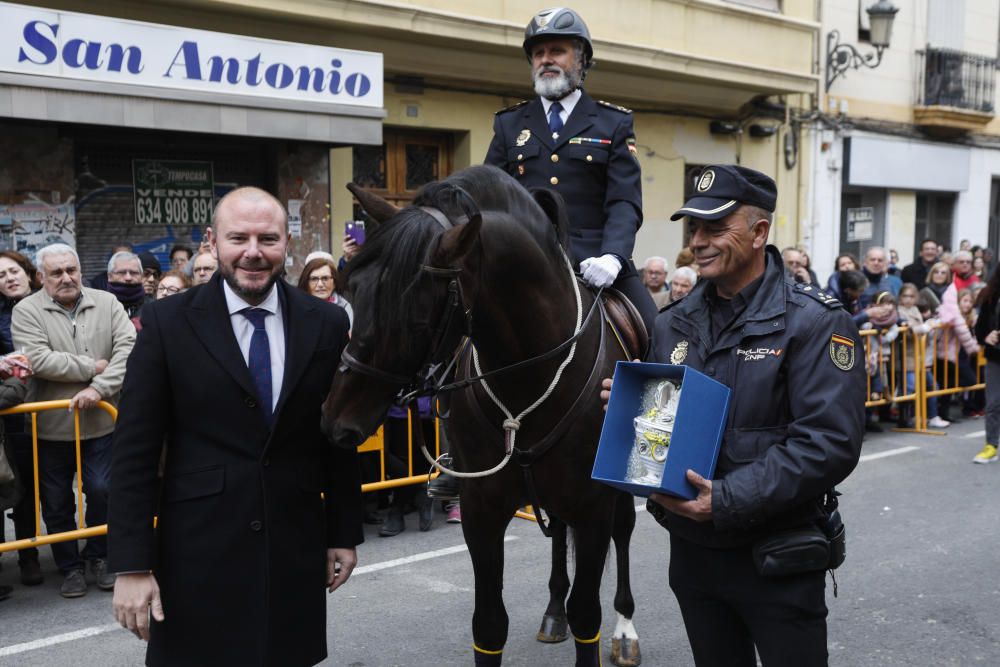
column 229, row 379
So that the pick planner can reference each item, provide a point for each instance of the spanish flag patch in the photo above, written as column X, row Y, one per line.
column 842, row 352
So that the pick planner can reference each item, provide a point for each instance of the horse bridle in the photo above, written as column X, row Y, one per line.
column 424, row 382
column 454, row 309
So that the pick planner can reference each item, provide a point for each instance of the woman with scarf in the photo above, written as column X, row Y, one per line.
column 320, row 278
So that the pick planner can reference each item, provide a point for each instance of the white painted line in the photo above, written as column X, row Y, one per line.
column 975, row 434
column 14, row 649
column 888, row 452
column 416, row 558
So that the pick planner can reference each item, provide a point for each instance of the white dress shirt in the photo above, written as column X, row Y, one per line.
column 568, row 104
column 273, row 325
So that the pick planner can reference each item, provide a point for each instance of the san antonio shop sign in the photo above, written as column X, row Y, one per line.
column 96, row 48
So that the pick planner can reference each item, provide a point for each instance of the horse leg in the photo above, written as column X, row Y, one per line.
column 484, row 530
column 583, row 608
column 625, row 641
column 554, row 624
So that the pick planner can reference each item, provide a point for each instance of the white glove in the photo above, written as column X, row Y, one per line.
column 600, row 271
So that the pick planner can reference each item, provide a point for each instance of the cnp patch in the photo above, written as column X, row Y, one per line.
column 842, row 352
column 706, row 180
column 680, row 353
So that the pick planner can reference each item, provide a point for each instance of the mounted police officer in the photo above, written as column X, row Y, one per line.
column 748, row 555
column 581, row 148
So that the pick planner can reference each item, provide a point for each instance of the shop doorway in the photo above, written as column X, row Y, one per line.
column 405, row 162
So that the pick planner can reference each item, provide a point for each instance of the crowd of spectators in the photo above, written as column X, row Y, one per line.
column 74, row 335
column 938, row 295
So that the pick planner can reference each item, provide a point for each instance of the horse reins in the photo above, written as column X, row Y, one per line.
column 511, row 424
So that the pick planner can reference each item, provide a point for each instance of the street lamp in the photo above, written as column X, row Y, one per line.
column 842, row 57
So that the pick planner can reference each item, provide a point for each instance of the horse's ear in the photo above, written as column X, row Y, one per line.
column 554, row 207
column 458, row 241
column 379, row 209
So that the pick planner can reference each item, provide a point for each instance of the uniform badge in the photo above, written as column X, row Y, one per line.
column 630, row 145
column 522, row 138
column 706, row 180
column 680, row 353
column 842, row 352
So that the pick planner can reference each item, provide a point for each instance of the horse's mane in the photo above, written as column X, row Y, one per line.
column 400, row 245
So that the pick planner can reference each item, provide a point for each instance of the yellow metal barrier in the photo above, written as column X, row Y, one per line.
column 81, row 531
column 886, row 366
column 376, row 443
column 889, row 364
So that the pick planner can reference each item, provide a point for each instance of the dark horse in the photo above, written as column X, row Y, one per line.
column 477, row 256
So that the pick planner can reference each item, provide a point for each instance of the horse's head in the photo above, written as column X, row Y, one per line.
column 410, row 311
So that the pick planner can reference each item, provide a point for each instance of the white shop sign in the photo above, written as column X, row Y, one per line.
column 68, row 45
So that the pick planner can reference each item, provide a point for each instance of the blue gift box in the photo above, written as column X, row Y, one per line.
column 697, row 433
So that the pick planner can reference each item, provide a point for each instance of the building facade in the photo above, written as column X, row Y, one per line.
column 708, row 81
column 909, row 149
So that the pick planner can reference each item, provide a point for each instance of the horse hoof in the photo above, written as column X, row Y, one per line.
column 625, row 652
column 554, row 629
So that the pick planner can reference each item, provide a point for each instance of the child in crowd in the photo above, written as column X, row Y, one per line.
column 975, row 401
column 880, row 351
column 912, row 313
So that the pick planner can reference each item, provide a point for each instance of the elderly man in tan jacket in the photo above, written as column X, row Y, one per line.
column 78, row 340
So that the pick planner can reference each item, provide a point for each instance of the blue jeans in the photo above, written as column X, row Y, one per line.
column 56, row 468
column 911, row 380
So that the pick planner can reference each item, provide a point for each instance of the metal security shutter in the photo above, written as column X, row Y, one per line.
column 105, row 214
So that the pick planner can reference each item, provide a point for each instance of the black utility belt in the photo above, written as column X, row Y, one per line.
column 813, row 548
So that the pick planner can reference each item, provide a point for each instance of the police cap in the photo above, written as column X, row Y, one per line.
column 720, row 189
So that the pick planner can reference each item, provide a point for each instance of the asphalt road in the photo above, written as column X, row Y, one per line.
column 919, row 586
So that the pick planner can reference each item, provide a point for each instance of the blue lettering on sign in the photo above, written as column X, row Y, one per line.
column 41, row 47
column 77, row 53
column 44, row 45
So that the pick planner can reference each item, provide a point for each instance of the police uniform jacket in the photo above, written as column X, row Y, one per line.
column 795, row 364
column 592, row 165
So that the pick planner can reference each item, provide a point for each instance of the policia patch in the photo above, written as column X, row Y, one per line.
column 842, row 352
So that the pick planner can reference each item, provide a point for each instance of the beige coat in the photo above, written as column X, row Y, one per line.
column 63, row 355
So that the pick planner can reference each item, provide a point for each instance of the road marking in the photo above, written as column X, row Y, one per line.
column 888, row 452
column 416, row 558
column 14, row 649
column 975, row 434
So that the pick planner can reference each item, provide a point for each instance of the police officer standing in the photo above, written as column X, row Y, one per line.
column 748, row 555
column 581, row 148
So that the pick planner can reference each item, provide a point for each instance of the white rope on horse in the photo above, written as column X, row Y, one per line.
column 512, row 424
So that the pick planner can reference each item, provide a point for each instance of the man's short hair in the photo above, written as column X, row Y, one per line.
column 928, row 240
column 755, row 213
column 878, row 248
column 962, row 254
column 253, row 194
column 54, row 250
column 853, row 280
column 655, row 258
column 180, row 247
column 685, row 272
column 123, row 255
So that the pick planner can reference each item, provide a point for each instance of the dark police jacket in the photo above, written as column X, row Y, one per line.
column 592, row 165
column 795, row 363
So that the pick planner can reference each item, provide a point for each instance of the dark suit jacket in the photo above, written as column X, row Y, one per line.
column 240, row 548
column 593, row 166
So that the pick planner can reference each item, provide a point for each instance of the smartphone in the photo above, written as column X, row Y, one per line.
column 356, row 230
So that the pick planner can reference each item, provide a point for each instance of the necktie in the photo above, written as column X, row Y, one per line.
column 259, row 360
column 555, row 120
